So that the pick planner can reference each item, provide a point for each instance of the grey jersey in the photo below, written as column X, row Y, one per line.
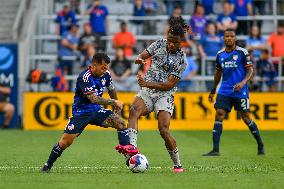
column 163, row 65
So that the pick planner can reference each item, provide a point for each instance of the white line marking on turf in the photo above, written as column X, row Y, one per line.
column 70, row 167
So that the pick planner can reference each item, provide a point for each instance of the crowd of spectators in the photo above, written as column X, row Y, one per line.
column 204, row 42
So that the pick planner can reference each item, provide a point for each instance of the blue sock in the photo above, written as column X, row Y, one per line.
column 123, row 136
column 217, row 131
column 54, row 154
column 255, row 132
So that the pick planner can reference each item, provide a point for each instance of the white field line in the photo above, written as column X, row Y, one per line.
column 71, row 167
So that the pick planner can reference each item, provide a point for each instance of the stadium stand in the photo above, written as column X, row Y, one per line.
column 44, row 42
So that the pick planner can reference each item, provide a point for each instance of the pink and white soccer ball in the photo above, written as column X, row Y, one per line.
column 138, row 163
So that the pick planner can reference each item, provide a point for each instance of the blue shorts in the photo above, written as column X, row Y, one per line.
column 77, row 123
column 226, row 103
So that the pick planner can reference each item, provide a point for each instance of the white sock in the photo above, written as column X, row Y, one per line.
column 132, row 133
column 175, row 157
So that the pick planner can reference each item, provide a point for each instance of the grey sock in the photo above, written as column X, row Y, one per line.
column 132, row 136
column 175, row 157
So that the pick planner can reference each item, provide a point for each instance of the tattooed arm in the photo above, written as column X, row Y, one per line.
column 102, row 101
column 112, row 93
column 99, row 100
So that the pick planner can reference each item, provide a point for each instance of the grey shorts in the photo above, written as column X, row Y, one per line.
column 157, row 103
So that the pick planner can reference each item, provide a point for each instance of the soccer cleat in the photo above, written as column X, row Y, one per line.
column 127, row 149
column 260, row 150
column 212, row 153
column 46, row 168
column 178, row 169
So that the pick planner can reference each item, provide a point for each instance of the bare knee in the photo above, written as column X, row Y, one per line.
column 65, row 143
column 9, row 108
column 220, row 115
column 246, row 118
column 121, row 124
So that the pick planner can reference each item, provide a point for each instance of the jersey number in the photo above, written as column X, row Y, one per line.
column 245, row 103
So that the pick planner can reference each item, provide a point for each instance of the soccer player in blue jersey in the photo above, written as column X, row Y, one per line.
column 234, row 64
column 87, row 108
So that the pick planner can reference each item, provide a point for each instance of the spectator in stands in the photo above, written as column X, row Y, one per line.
column 186, row 83
column 255, row 42
column 58, row 82
column 75, row 6
column 226, row 20
column 5, row 106
column 125, row 40
column 99, row 20
column 266, row 71
column 209, row 45
column 280, row 7
column 276, row 43
column 138, row 10
column 176, row 13
column 242, row 8
column 151, row 8
column 259, row 9
column 67, row 50
column 64, row 19
column 198, row 22
column 171, row 4
column 120, row 70
column 88, row 39
column 90, row 53
column 208, row 6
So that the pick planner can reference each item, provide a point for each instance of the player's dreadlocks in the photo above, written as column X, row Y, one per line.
column 178, row 26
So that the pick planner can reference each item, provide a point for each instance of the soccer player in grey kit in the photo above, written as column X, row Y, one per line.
column 157, row 90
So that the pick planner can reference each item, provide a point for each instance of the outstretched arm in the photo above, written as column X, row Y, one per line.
column 161, row 86
column 99, row 100
column 112, row 93
column 142, row 57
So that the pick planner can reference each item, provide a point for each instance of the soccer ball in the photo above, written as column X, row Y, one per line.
column 138, row 163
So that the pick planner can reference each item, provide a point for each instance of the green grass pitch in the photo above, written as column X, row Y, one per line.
column 92, row 162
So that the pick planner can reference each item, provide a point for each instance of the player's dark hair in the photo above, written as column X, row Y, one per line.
column 178, row 26
column 100, row 57
column 230, row 30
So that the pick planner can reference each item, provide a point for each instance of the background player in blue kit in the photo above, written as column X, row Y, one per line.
column 87, row 108
column 234, row 64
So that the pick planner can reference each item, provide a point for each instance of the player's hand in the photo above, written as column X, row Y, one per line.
column 239, row 86
column 141, row 81
column 211, row 95
column 139, row 61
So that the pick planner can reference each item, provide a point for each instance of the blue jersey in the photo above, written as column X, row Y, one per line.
column 88, row 83
column 65, row 21
column 233, row 65
column 98, row 18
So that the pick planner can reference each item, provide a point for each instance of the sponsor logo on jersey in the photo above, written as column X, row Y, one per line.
column 229, row 64
column 71, row 127
column 103, row 81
